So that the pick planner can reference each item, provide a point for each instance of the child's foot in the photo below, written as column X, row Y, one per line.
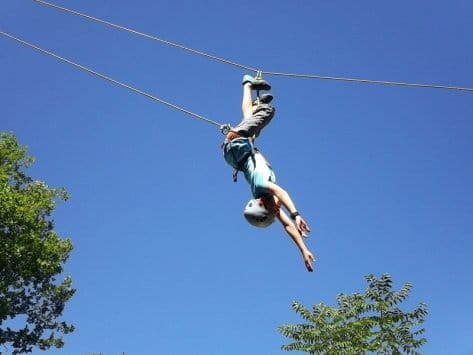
column 256, row 83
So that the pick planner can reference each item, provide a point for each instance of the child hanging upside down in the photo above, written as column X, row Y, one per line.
column 240, row 153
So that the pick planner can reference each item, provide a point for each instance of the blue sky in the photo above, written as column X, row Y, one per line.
column 163, row 262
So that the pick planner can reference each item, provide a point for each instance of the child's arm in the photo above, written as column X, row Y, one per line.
column 296, row 236
column 297, row 231
column 286, row 200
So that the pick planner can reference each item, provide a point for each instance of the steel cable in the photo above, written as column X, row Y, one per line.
column 226, row 61
column 111, row 80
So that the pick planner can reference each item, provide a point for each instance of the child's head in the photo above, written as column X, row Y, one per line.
column 260, row 212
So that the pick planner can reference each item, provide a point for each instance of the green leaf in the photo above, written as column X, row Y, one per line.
column 368, row 322
column 31, row 255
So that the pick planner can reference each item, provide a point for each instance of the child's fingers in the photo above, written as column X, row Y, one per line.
column 308, row 265
column 303, row 226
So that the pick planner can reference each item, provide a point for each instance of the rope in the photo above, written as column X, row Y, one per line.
column 145, row 35
column 307, row 76
column 384, row 82
column 113, row 80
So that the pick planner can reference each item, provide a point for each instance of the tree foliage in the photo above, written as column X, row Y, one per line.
column 32, row 255
column 370, row 322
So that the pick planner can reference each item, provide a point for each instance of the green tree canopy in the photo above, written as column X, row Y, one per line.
column 364, row 323
column 32, row 255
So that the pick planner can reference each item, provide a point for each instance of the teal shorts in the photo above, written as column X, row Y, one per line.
column 258, row 175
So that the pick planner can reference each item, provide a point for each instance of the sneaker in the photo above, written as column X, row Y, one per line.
column 263, row 99
column 256, row 83
column 247, row 79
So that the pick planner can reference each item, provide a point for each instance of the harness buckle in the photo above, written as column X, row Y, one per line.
column 225, row 128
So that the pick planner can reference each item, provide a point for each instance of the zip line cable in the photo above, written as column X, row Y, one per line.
column 154, row 38
column 222, row 127
column 306, row 76
column 384, row 82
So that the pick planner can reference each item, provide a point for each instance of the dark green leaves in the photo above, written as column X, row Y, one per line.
column 31, row 255
column 370, row 322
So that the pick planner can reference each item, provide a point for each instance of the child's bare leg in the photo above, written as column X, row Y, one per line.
column 247, row 101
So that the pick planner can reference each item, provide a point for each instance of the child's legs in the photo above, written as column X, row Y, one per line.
column 254, row 117
column 247, row 101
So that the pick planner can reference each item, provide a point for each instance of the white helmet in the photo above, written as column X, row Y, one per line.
column 257, row 215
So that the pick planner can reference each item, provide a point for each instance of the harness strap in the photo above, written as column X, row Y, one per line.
column 251, row 141
column 235, row 175
column 240, row 164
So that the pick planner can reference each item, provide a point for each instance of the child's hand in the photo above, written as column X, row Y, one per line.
column 308, row 260
column 302, row 226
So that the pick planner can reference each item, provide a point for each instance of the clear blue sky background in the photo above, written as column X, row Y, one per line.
column 163, row 262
